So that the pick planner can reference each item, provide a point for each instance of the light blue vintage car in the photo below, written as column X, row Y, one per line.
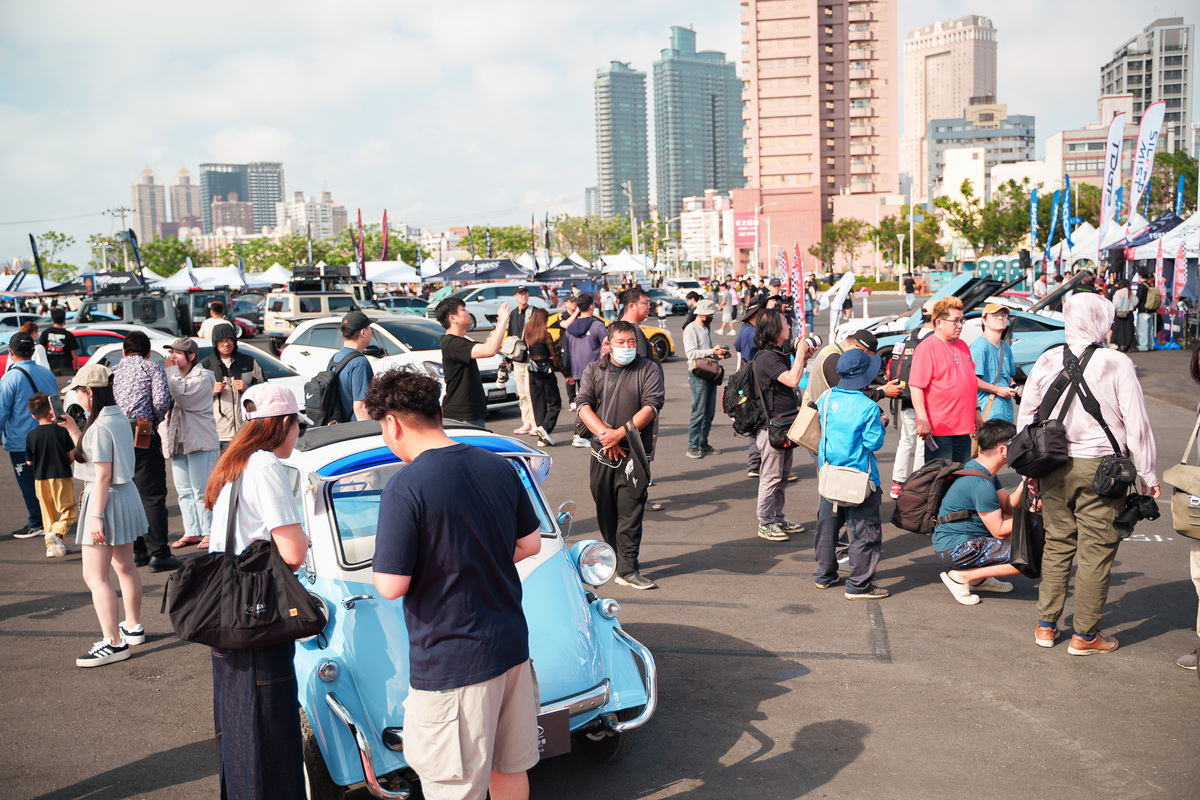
column 598, row 684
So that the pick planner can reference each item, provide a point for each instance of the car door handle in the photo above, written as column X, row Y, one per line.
column 303, row 352
column 348, row 602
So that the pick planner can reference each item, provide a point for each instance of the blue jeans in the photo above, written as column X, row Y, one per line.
column 908, row 300
column 951, row 448
column 28, row 491
column 1145, row 324
column 257, row 718
column 190, row 473
column 866, row 541
column 704, row 406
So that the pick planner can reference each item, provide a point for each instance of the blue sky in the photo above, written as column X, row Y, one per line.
column 464, row 112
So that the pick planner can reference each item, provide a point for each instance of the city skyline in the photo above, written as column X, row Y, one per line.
column 491, row 118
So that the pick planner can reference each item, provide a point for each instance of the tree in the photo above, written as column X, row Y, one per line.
column 926, row 249
column 49, row 245
column 852, row 234
column 165, row 257
column 1165, row 180
column 1000, row 225
column 591, row 237
column 825, row 250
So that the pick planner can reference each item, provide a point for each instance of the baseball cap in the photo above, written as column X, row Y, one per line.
column 356, row 321
column 774, row 282
column 994, row 308
column 91, row 375
column 856, row 369
column 271, row 400
column 866, row 339
column 184, row 344
column 521, row 288
column 21, row 343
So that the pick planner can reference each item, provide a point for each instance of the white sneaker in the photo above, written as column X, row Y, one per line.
column 132, row 635
column 54, row 546
column 579, row 441
column 992, row 585
column 540, row 432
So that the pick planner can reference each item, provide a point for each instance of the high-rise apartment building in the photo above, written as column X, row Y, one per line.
column 945, row 65
column 591, row 201
column 697, row 123
column 223, row 180
column 265, row 184
column 706, row 228
column 232, row 213
column 327, row 218
column 1000, row 138
column 1157, row 65
column 821, row 118
column 185, row 197
column 149, row 206
column 621, row 143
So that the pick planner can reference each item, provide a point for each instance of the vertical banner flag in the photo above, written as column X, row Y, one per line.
column 1143, row 157
column 191, row 272
column 419, row 260
column 383, row 256
column 1055, row 203
column 489, row 243
column 37, row 260
column 1158, row 275
column 471, row 242
column 359, row 247
column 241, row 268
column 533, row 239
column 1179, row 197
column 1110, row 188
column 1066, row 214
column 784, row 277
column 1180, row 280
column 798, row 264
column 546, row 232
column 310, row 261
column 137, row 251
column 1033, row 209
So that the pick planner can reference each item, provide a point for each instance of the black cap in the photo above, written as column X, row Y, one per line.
column 356, row 321
column 866, row 339
column 21, row 344
column 774, row 282
column 521, row 288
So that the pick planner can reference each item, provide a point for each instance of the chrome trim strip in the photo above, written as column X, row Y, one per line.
column 651, row 681
column 364, row 751
column 593, row 698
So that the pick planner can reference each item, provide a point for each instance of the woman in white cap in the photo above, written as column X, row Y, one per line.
column 697, row 343
column 190, row 439
column 111, row 515
column 259, row 749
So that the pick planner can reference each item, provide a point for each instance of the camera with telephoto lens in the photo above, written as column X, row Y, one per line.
column 786, row 304
column 814, row 342
column 1137, row 508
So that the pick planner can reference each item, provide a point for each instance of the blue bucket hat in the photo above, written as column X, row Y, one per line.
column 856, row 369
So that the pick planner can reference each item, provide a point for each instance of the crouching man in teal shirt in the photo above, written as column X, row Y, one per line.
column 852, row 430
column 973, row 539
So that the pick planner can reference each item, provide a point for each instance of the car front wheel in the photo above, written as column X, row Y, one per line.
column 662, row 349
column 318, row 784
column 610, row 745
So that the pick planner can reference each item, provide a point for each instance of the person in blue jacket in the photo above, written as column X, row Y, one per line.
column 851, row 431
column 23, row 379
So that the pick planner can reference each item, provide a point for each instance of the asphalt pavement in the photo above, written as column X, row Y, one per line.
column 769, row 687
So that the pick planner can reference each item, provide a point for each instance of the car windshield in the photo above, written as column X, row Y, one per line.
column 416, row 333
column 461, row 292
column 688, row 284
column 355, row 502
column 271, row 367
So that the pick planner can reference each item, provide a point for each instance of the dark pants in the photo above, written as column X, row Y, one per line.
column 28, row 492
column 619, row 514
column 866, row 541
column 704, row 407
column 546, row 399
column 150, row 478
column 951, row 448
column 571, row 389
column 259, row 751
column 753, row 457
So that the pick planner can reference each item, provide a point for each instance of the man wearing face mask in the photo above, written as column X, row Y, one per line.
column 619, row 394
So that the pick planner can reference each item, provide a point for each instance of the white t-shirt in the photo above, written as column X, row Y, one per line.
column 266, row 503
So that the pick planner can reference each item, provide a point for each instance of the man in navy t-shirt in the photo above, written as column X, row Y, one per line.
column 352, row 382
column 452, row 525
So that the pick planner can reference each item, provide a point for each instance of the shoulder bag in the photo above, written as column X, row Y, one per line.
column 709, row 369
column 806, row 430
column 777, row 426
column 1185, row 500
column 842, row 486
column 240, row 601
column 1041, row 446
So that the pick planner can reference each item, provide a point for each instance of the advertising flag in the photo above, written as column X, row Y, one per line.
column 137, row 251
column 1179, row 197
column 802, row 296
column 471, row 242
column 310, row 261
column 1033, row 209
column 241, row 268
column 37, row 260
column 783, row 275
column 1110, row 188
column 1066, row 214
column 1143, row 157
column 1055, row 203
column 383, row 257
column 358, row 247
column 489, row 243
column 1158, row 274
column 1180, row 280
column 191, row 272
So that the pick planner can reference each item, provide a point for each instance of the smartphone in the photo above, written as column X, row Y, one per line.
column 57, row 407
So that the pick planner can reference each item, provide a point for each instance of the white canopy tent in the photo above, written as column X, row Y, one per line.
column 579, row 260
column 1187, row 231
column 1085, row 239
column 391, row 272
column 625, row 261
column 29, row 282
column 531, row 264
column 211, row 278
column 276, row 273
column 431, row 267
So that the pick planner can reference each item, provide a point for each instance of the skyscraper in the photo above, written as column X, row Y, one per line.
column 265, row 181
column 1157, row 65
column 223, row 180
column 232, row 213
column 821, row 118
column 185, row 197
column 621, row 154
column 149, row 206
column 697, row 123
column 591, row 201
column 945, row 65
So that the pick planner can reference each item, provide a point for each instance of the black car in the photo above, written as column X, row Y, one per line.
column 678, row 307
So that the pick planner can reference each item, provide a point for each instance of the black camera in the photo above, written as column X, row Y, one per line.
column 1137, row 508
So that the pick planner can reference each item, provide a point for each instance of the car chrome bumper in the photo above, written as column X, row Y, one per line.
column 650, row 678
column 364, row 751
column 591, row 699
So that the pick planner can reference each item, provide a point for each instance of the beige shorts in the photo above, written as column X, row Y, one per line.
column 455, row 738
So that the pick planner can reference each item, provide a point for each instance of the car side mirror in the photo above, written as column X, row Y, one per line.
column 566, row 516
column 374, row 351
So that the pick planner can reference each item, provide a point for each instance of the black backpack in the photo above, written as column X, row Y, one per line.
column 741, row 403
column 900, row 364
column 322, row 400
column 921, row 496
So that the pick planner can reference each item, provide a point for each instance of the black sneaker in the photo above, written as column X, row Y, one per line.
column 103, row 652
column 874, row 593
column 752, row 473
column 694, row 452
column 824, row 584
column 634, row 580
column 165, row 564
column 708, row 450
column 132, row 635
column 140, row 559
column 28, row 532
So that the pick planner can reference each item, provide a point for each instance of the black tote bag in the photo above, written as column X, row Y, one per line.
column 1028, row 539
column 252, row 599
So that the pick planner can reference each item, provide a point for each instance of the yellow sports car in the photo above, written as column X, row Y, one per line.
column 660, row 338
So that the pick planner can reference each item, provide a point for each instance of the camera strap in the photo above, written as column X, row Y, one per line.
column 1074, row 368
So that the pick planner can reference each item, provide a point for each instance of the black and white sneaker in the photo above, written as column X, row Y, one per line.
column 28, row 532
column 634, row 580
column 543, row 436
column 103, row 652
column 133, row 635
column 874, row 593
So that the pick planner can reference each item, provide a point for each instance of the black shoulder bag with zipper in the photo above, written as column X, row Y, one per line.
column 251, row 599
column 1041, row 446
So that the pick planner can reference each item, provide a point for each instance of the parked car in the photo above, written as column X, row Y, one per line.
column 286, row 310
column 250, row 307
column 680, row 287
column 598, row 684
column 15, row 319
column 660, row 338
column 483, row 300
column 244, row 328
column 273, row 369
column 397, row 341
column 678, row 306
column 403, row 304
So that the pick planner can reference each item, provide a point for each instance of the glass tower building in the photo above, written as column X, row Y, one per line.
column 621, row 143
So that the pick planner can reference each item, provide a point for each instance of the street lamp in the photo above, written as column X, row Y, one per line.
column 757, row 257
column 900, row 252
column 675, row 219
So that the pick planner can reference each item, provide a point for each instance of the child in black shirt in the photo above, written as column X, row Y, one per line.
column 50, row 449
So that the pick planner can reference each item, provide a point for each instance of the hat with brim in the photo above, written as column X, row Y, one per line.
column 995, row 308
column 705, row 308
column 271, row 400
column 92, row 376
column 856, row 369
column 184, row 344
column 752, row 309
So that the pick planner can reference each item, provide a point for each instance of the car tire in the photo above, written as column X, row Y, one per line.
column 471, row 327
column 76, row 413
column 662, row 348
column 238, row 331
column 273, row 344
column 614, row 746
column 318, row 783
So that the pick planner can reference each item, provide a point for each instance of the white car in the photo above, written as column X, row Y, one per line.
column 483, row 301
column 680, row 288
column 124, row 328
column 273, row 369
column 398, row 341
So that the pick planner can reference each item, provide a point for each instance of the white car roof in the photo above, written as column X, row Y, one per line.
column 151, row 333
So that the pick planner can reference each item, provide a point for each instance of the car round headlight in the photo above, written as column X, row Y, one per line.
column 597, row 564
column 434, row 368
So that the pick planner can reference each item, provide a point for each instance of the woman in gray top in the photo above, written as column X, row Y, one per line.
column 697, row 343
column 111, row 515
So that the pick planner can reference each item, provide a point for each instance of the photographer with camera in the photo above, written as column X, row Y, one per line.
column 697, row 344
column 1080, row 523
